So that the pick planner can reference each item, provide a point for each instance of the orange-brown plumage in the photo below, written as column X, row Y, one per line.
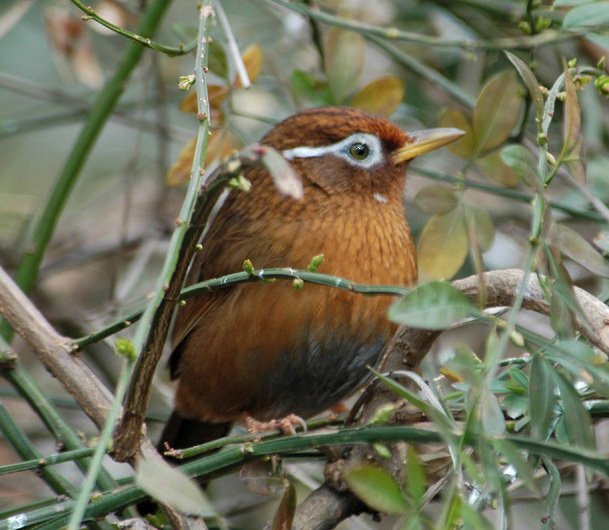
column 268, row 350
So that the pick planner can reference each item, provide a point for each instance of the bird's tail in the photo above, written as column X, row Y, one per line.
column 179, row 433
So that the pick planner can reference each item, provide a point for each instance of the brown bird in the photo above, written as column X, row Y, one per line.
column 267, row 350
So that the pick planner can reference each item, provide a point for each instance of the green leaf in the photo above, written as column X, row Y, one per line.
column 529, row 80
column 436, row 199
column 542, row 398
column 523, row 162
column 515, row 405
column 464, row 146
column 308, row 91
column 595, row 14
column 577, row 419
column 601, row 240
column 172, row 487
column 285, row 513
column 514, row 457
column 494, row 167
column 574, row 246
column 434, row 305
column 553, row 495
column 415, row 475
column 381, row 96
column 443, row 246
column 260, row 477
column 491, row 414
column 345, row 53
column 497, row 111
column 377, row 489
column 217, row 61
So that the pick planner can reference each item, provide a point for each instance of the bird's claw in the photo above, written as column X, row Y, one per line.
column 286, row 425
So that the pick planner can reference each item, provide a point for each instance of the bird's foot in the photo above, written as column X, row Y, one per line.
column 286, row 425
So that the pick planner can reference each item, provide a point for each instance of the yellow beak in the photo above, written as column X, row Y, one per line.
column 424, row 141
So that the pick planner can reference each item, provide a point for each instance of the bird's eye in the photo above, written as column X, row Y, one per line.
column 359, row 151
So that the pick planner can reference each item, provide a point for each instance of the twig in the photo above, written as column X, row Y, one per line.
column 54, row 351
column 406, row 36
column 233, row 48
column 144, row 41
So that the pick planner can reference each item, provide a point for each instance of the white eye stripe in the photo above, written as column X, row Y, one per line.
column 341, row 150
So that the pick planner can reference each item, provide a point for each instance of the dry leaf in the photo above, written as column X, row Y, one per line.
column 381, row 96
column 253, row 58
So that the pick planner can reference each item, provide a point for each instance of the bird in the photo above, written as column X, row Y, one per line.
column 266, row 350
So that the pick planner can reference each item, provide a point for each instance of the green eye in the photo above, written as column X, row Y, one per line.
column 359, row 151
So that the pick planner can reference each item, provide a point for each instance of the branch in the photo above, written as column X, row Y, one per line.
column 394, row 34
column 54, row 351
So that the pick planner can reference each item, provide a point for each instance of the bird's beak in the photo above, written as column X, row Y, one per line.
column 422, row 142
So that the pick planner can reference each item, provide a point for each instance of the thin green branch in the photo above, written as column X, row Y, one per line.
column 244, row 277
column 152, row 330
column 27, row 271
column 394, row 34
column 424, row 71
column 506, row 192
column 51, row 460
column 20, row 442
column 60, row 430
column 101, row 450
column 245, row 452
column 172, row 51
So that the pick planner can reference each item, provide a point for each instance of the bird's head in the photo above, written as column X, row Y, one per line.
column 342, row 149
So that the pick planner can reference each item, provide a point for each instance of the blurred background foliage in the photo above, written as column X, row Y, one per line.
column 525, row 188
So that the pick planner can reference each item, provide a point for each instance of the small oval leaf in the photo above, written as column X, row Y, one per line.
column 523, row 162
column 377, row 489
column 574, row 246
column 498, row 171
column 435, row 305
column 483, row 228
column 345, row 52
column 443, row 246
column 463, row 147
column 381, row 96
column 436, row 199
column 497, row 111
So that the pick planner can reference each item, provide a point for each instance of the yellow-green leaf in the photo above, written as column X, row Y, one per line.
column 377, row 489
column 436, row 199
column 574, row 246
column 497, row 111
column 464, row 146
column 345, row 52
column 381, row 96
column 496, row 170
column 443, row 246
column 434, row 305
